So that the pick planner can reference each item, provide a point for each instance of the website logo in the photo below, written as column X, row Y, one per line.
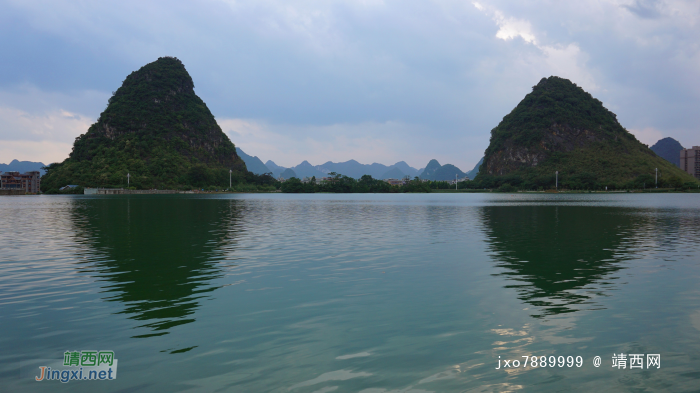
column 86, row 365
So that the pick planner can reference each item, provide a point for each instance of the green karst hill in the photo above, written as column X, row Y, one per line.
column 560, row 127
column 157, row 129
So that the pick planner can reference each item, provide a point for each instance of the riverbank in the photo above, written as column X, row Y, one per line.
column 652, row 191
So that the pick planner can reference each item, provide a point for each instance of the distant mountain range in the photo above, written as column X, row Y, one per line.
column 22, row 166
column 669, row 149
column 350, row 168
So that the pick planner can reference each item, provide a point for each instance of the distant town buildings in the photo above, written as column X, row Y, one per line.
column 29, row 181
column 465, row 178
column 318, row 181
column 690, row 161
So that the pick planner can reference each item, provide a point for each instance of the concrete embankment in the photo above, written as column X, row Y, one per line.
column 118, row 191
column 12, row 192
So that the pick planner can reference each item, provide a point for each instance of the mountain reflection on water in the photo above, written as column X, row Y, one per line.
column 157, row 255
column 561, row 257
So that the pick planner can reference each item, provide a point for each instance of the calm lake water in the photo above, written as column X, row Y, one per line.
column 352, row 293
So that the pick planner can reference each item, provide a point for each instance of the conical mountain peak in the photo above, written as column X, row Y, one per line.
column 157, row 129
column 560, row 127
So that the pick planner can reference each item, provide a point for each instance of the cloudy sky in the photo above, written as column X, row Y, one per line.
column 371, row 80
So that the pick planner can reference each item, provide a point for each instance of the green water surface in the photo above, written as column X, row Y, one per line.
column 352, row 293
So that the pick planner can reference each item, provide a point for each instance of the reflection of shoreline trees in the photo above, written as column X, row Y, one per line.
column 557, row 254
column 157, row 255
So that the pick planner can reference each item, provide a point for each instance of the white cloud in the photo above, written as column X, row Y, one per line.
column 563, row 60
column 412, row 79
column 510, row 28
column 41, row 125
column 55, row 125
column 647, row 135
column 569, row 62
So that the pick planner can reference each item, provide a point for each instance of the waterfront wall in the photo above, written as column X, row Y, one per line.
column 119, row 191
column 12, row 192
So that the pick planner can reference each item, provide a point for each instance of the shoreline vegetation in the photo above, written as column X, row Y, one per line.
column 338, row 183
column 486, row 183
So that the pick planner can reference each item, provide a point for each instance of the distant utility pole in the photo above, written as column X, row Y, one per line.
column 128, row 176
column 656, row 182
column 229, row 178
column 556, row 181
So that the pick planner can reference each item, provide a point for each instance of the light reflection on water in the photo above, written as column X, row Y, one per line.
column 373, row 293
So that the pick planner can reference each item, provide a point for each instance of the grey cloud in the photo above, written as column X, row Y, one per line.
column 649, row 9
column 434, row 66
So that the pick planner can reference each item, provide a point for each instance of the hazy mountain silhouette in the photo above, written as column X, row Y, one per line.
column 669, row 149
column 435, row 171
column 305, row 169
column 350, row 168
column 448, row 172
column 276, row 169
column 433, row 165
column 288, row 174
column 472, row 174
column 22, row 166
column 393, row 173
column 253, row 163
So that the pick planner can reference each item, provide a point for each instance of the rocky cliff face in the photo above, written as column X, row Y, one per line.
column 558, row 138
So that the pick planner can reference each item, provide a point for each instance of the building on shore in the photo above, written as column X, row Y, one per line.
column 29, row 182
column 690, row 161
column 315, row 180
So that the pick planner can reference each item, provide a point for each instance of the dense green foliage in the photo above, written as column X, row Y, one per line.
column 560, row 127
column 156, row 129
column 585, row 181
column 509, row 183
column 558, row 101
column 345, row 184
